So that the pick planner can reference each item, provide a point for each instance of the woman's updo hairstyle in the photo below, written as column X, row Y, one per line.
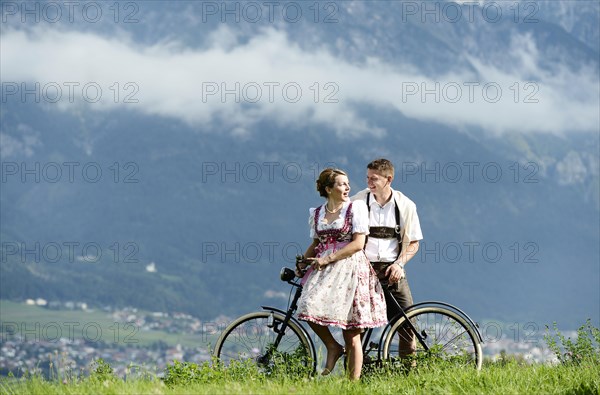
column 327, row 179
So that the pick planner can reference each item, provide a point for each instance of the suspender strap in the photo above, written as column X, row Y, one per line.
column 397, row 229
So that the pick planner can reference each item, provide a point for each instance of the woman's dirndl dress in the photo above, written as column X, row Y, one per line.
column 346, row 293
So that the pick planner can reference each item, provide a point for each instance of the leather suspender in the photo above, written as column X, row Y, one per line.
column 397, row 229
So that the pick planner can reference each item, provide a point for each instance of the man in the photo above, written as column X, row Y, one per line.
column 394, row 234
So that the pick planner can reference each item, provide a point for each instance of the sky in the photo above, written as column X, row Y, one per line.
column 237, row 82
column 232, row 78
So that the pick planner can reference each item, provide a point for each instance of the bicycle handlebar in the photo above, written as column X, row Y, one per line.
column 286, row 274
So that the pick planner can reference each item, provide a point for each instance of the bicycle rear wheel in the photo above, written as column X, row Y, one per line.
column 450, row 339
column 252, row 338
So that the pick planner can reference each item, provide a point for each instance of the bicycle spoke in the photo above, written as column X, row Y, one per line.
column 454, row 338
column 251, row 339
column 446, row 336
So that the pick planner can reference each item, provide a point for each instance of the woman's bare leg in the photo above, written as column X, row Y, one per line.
column 354, row 352
column 334, row 349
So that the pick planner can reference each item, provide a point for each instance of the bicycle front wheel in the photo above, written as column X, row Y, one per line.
column 256, row 337
column 449, row 339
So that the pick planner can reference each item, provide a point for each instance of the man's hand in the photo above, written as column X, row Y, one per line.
column 394, row 273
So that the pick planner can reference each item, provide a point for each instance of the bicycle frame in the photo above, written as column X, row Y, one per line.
column 366, row 345
column 289, row 317
column 402, row 314
column 365, row 339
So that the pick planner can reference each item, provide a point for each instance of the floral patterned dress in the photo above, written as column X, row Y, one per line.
column 346, row 293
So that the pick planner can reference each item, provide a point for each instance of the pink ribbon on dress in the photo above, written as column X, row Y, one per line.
column 319, row 249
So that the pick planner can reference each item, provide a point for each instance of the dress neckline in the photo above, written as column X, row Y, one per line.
column 341, row 217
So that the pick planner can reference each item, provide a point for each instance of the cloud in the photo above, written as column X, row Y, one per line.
column 268, row 77
column 22, row 145
column 572, row 169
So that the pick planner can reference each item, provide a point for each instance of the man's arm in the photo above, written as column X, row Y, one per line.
column 396, row 270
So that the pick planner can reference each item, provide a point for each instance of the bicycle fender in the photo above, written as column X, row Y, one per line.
column 456, row 310
column 432, row 303
column 269, row 308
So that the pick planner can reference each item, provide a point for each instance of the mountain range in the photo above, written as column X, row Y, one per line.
column 191, row 200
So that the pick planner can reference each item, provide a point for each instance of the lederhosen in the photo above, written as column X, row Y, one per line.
column 400, row 291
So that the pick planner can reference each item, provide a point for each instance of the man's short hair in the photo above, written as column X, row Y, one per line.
column 382, row 166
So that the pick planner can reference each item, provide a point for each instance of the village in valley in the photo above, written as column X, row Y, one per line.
column 132, row 341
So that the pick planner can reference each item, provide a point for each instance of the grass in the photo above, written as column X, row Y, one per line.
column 578, row 372
column 495, row 378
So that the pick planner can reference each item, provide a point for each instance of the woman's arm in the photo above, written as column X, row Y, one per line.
column 357, row 244
column 310, row 251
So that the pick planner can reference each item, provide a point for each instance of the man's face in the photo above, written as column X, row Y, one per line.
column 376, row 182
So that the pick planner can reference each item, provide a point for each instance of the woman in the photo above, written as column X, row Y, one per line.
column 340, row 288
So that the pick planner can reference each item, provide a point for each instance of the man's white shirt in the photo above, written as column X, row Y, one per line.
column 386, row 250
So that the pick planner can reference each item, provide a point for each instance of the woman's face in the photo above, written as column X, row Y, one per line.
column 340, row 191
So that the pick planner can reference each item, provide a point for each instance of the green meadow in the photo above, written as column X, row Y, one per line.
column 577, row 371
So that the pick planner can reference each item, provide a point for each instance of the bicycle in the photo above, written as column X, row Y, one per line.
column 273, row 337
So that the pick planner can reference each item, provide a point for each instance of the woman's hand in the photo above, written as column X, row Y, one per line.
column 319, row 263
column 301, row 265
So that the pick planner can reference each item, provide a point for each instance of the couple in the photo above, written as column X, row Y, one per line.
column 341, row 288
